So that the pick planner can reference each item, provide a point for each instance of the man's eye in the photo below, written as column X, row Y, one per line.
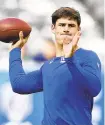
column 71, row 25
column 62, row 25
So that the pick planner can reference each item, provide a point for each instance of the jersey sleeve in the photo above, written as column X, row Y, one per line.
column 87, row 74
column 21, row 82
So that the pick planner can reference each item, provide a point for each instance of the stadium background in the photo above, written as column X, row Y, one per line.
column 18, row 109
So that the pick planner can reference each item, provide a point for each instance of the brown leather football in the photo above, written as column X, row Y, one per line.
column 10, row 28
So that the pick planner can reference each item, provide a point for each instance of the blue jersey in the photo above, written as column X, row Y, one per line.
column 68, row 84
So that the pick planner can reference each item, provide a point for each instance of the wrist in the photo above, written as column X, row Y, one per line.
column 14, row 48
column 69, row 55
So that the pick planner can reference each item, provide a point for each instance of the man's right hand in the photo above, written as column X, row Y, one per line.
column 20, row 43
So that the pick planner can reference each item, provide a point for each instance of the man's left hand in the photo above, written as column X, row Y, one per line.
column 69, row 47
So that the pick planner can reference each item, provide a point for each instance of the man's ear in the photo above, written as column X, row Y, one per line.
column 53, row 28
column 79, row 28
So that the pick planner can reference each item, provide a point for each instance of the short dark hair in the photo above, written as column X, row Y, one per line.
column 66, row 12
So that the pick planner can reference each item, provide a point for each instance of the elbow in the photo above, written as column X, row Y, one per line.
column 96, row 90
column 17, row 87
column 16, row 90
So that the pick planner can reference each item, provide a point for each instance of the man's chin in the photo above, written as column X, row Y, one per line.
column 62, row 40
column 66, row 40
column 66, row 36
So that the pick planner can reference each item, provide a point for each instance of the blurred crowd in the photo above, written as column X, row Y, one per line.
column 38, row 14
column 40, row 46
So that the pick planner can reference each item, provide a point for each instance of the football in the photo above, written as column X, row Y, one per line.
column 10, row 28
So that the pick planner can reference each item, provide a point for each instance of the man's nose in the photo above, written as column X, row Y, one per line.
column 66, row 28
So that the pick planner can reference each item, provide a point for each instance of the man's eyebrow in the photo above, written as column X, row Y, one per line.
column 67, row 23
column 62, row 23
column 71, row 24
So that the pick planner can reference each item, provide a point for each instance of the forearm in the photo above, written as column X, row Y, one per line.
column 86, row 78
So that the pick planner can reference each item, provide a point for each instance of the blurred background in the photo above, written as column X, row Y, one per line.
column 18, row 109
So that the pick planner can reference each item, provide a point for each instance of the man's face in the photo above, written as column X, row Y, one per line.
column 64, row 28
